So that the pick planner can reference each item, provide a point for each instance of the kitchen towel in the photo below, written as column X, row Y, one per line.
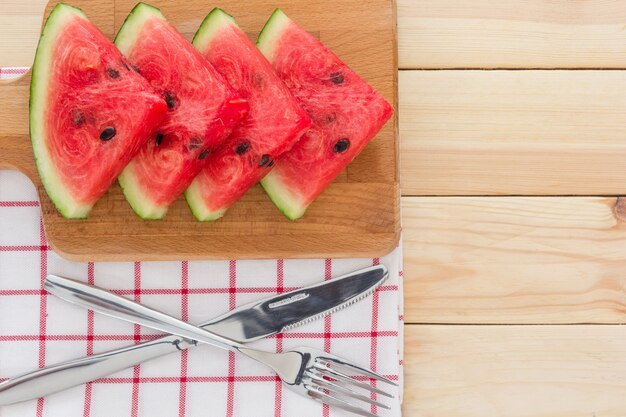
column 37, row 329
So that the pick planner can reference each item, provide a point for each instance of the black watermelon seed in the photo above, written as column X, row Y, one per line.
column 195, row 143
column 78, row 118
column 258, row 78
column 271, row 164
column 136, row 68
column 204, row 154
column 113, row 73
column 169, row 99
column 264, row 160
column 341, row 146
column 242, row 148
column 108, row 133
column 336, row 77
column 125, row 66
column 159, row 139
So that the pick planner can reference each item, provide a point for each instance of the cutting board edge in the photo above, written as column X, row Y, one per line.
column 387, row 241
column 385, row 244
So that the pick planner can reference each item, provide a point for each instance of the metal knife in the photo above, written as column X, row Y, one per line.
column 244, row 324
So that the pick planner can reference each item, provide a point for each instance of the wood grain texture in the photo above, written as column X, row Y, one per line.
column 19, row 31
column 358, row 215
column 512, row 34
column 515, row 371
column 513, row 132
column 514, row 259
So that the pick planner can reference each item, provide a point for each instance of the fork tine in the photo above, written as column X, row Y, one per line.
column 354, row 368
column 331, row 386
column 339, row 403
column 341, row 377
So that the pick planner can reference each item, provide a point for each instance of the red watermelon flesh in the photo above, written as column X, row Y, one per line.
column 203, row 109
column 274, row 124
column 89, row 112
column 346, row 110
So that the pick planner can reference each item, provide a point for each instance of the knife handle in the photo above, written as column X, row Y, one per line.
column 58, row 377
column 113, row 305
column 68, row 374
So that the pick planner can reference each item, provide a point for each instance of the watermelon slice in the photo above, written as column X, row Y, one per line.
column 347, row 113
column 89, row 112
column 274, row 124
column 203, row 109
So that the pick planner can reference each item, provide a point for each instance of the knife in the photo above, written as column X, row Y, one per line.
column 244, row 324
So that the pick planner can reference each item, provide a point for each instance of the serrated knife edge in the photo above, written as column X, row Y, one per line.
column 61, row 376
column 347, row 303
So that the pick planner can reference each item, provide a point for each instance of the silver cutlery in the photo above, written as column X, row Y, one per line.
column 246, row 323
column 306, row 371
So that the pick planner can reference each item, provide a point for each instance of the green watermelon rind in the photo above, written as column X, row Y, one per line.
column 125, row 41
column 281, row 198
column 58, row 193
column 287, row 203
column 212, row 23
column 127, row 35
column 266, row 42
column 137, row 199
column 193, row 196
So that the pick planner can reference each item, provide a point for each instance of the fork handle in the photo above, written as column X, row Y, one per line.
column 113, row 305
column 59, row 377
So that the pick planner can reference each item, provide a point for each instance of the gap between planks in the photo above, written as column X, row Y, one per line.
column 512, row 132
column 510, row 69
column 450, row 34
column 514, row 260
column 511, row 34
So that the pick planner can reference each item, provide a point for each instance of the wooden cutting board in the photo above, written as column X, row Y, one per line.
column 358, row 215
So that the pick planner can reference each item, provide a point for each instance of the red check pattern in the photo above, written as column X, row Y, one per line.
column 37, row 329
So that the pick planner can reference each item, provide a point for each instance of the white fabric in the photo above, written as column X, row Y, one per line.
column 158, row 390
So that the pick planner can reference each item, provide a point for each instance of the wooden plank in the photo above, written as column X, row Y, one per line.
column 512, row 132
column 358, row 215
column 20, row 22
column 514, row 259
column 440, row 33
column 515, row 371
column 511, row 34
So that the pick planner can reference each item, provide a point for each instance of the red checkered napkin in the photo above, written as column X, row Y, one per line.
column 37, row 329
column 12, row 72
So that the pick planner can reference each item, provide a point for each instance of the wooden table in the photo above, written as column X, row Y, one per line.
column 513, row 130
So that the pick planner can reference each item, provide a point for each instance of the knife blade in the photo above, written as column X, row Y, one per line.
column 244, row 324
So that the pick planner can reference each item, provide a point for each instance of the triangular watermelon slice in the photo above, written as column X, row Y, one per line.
column 274, row 124
column 203, row 111
column 89, row 112
column 347, row 113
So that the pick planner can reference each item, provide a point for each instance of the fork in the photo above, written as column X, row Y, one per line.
column 310, row 372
